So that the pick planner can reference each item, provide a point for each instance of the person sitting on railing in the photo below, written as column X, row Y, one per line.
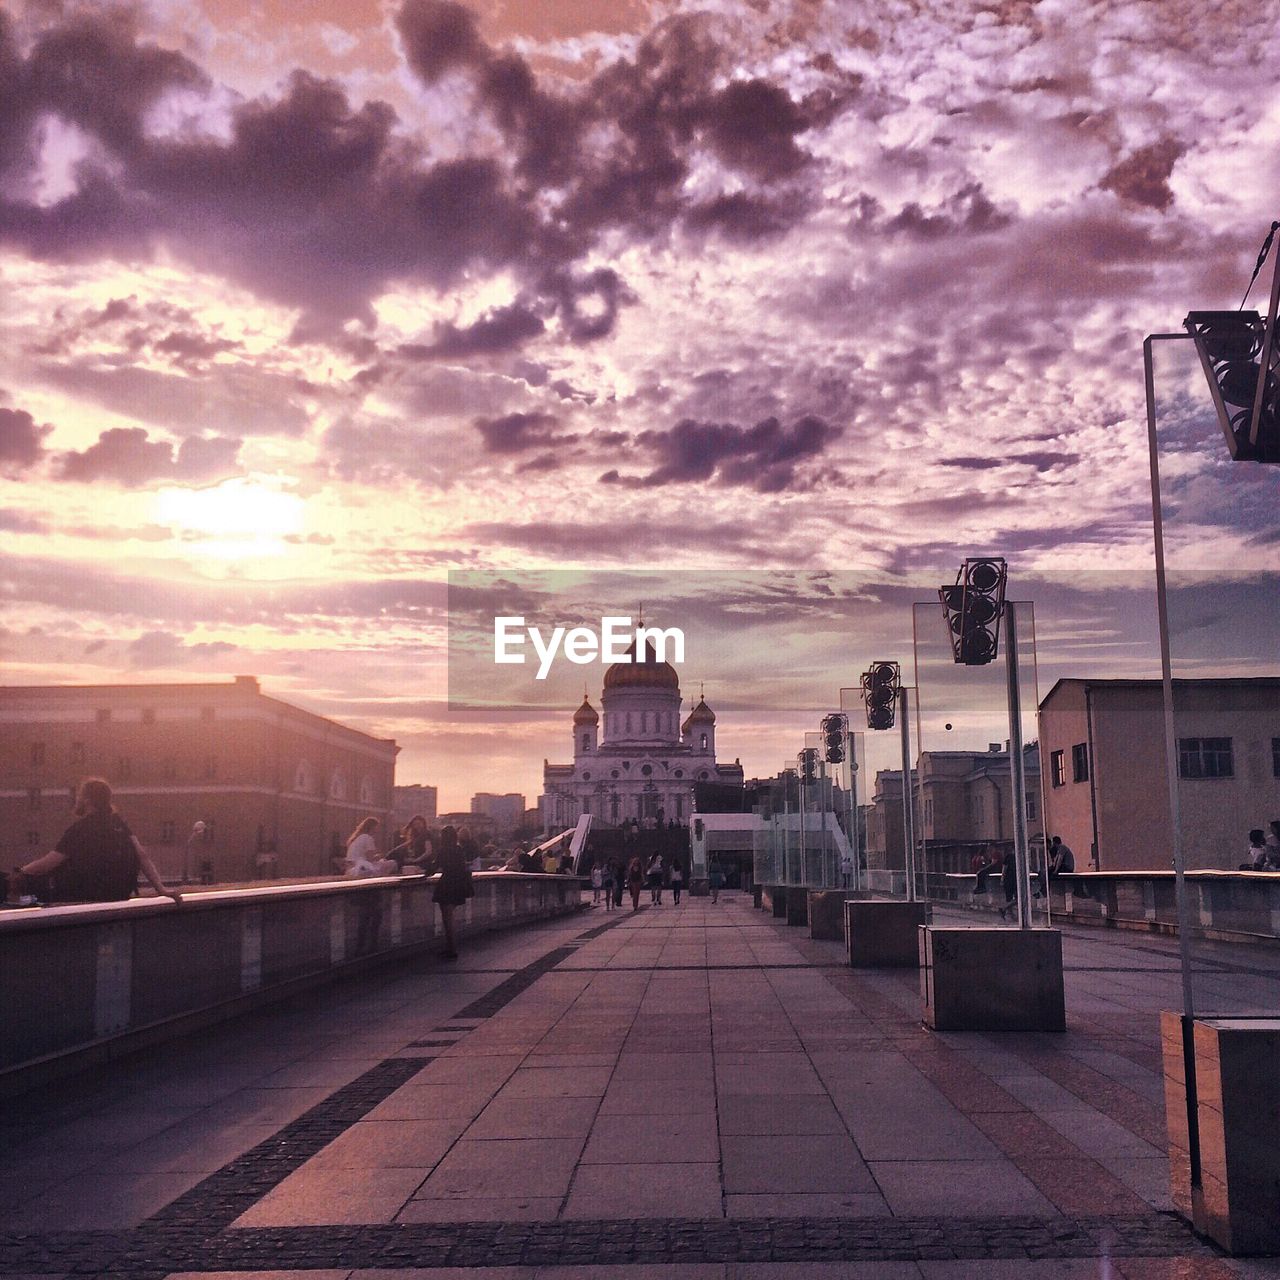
column 97, row 859
column 362, row 853
column 1256, row 859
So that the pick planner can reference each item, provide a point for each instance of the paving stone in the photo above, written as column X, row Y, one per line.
column 646, row 1191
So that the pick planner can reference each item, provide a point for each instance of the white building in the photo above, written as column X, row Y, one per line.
column 640, row 762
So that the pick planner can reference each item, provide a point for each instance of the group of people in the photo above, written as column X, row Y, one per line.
column 1264, row 848
column 450, row 854
column 611, row 879
column 1061, row 860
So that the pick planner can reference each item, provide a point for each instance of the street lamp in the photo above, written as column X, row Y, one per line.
column 885, row 697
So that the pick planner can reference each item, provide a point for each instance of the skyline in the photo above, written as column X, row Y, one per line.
column 308, row 306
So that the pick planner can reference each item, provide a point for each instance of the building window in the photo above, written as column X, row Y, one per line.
column 1275, row 757
column 1080, row 762
column 679, row 806
column 166, row 833
column 37, row 755
column 33, row 800
column 586, row 742
column 1205, row 758
column 703, row 741
column 1057, row 769
column 1031, row 806
column 102, row 715
column 148, row 715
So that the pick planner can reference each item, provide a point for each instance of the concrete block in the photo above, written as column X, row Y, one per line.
column 826, row 914
column 757, row 896
column 991, row 979
column 797, row 905
column 775, row 900
column 1238, row 1124
column 883, row 934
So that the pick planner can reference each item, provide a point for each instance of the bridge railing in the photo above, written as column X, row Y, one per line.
column 86, row 982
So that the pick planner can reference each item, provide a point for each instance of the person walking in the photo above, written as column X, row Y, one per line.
column 1009, row 883
column 655, row 880
column 619, row 881
column 635, row 881
column 597, row 882
column 715, row 879
column 97, row 858
column 677, row 880
column 606, row 883
column 454, row 886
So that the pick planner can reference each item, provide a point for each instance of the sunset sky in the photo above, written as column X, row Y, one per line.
column 307, row 303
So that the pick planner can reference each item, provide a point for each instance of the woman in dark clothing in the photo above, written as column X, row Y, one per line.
column 635, row 881
column 454, row 886
column 1009, row 883
column 98, row 858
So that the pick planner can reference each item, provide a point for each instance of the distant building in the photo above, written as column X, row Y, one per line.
column 278, row 788
column 482, row 827
column 507, row 811
column 885, row 844
column 644, row 764
column 965, row 805
column 411, row 801
column 1106, row 790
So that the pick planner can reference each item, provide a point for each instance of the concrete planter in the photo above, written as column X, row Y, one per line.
column 882, row 935
column 1237, row 1113
column 826, row 914
column 991, row 979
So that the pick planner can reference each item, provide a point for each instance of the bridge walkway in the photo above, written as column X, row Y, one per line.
column 695, row 1092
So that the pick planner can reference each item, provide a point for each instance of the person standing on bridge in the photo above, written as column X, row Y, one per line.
column 607, row 873
column 715, row 879
column 655, row 880
column 635, row 881
column 454, row 887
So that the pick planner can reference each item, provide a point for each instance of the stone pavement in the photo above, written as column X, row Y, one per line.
column 693, row 1092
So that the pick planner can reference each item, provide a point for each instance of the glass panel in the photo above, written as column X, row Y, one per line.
column 1219, row 521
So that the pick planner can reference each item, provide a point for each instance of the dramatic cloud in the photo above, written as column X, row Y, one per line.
column 21, row 441
column 128, row 456
column 515, row 432
column 765, row 457
column 162, row 649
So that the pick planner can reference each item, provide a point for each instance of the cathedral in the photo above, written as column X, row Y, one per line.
column 634, row 760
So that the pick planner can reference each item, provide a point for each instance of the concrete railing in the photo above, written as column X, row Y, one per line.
column 1231, row 905
column 81, row 983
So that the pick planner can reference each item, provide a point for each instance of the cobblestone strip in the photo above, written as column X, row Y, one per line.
column 223, row 1196
column 153, row 1251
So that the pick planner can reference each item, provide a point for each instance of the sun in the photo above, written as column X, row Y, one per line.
column 242, row 517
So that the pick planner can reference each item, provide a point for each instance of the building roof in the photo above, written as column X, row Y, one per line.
column 586, row 714
column 646, row 672
column 1254, row 682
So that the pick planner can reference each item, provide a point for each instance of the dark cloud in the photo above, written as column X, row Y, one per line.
column 515, row 432
column 499, row 330
column 21, row 441
column 160, row 649
column 20, row 521
column 624, row 539
column 1143, row 176
column 968, row 211
column 128, row 456
column 1042, row 460
column 764, row 457
column 187, row 347
column 319, row 204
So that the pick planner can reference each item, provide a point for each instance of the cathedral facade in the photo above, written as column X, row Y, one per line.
column 634, row 759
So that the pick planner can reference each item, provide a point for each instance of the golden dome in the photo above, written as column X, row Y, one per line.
column 586, row 714
column 648, row 673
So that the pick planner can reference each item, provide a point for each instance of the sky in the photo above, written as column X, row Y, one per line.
column 308, row 306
